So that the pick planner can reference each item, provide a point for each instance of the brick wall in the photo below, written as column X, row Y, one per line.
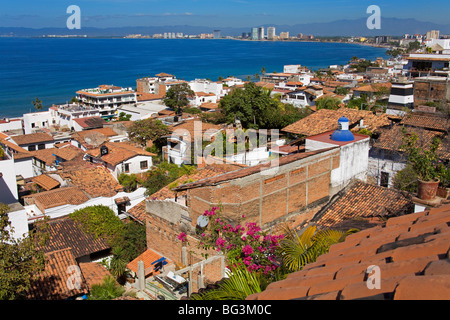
column 425, row 91
column 269, row 199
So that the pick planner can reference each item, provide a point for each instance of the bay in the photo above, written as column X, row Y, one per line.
column 53, row 69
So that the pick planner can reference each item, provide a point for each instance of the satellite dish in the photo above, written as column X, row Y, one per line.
column 202, row 221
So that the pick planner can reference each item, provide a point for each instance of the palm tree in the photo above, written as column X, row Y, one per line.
column 299, row 250
column 37, row 104
column 109, row 289
column 240, row 284
column 263, row 70
column 118, row 265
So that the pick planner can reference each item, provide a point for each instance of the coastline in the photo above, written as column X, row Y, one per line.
column 123, row 67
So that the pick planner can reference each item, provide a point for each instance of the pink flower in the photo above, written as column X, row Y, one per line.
column 247, row 260
column 248, row 250
column 220, row 243
column 182, row 237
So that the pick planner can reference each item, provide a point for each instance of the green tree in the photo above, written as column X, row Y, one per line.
column 124, row 117
column 328, row 102
column 406, row 180
column 299, row 250
column 143, row 131
column 163, row 174
column 177, row 97
column 239, row 285
column 37, row 104
column 22, row 260
column 251, row 105
column 118, row 264
column 109, row 289
column 129, row 182
column 413, row 46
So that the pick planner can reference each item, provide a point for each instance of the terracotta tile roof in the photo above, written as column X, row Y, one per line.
column 325, row 120
column 427, row 122
column 148, row 257
column 192, row 127
column 222, row 178
column 90, row 122
column 209, row 105
column 95, row 181
column 204, row 94
column 138, row 211
column 65, row 233
column 46, row 182
column 205, row 173
column 45, row 155
column 19, row 152
column 142, row 96
column 68, row 152
column 363, row 200
column 32, row 138
column 411, row 252
column 93, row 273
column 94, row 137
column 163, row 74
column 52, row 282
column 58, row 197
column 118, row 152
column 392, row 139
column 374, row 87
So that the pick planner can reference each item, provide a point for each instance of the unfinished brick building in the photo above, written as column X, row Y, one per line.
column 431, row 89
column 298, row 183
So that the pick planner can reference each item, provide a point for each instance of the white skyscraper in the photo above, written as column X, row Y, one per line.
column 271, row 33
column 261, row 33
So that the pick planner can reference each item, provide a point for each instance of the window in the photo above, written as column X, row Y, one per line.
column 126, row 167
column 144, row 164
column 41, row 146
column 32, row 148
column 384, row 180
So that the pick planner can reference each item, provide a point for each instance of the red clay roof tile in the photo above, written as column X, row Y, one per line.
column 414, row 264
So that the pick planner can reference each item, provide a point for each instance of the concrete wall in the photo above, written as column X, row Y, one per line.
column 8, row 184
column 24, row 167
column 11, row 124
column 380, row 161
column 353, row 162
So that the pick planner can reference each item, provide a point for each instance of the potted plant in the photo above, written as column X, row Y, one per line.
column 444, row 178
column 424, row 164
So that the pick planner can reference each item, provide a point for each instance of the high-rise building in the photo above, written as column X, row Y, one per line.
column 271, row 33
column 284, row 35
column 433, row 34
column 254, row 33
column 217, row 34
column 261, row 33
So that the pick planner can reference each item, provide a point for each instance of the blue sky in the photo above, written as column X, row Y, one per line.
column 213, row 13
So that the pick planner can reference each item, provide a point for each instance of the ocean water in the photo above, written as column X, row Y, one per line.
column 54, row 69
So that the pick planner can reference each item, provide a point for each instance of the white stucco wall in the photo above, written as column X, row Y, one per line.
column 8, row 184
column 353, row 161
column 24, row 167
column 135, row 165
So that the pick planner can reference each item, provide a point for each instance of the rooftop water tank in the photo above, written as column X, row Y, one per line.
column 342, row 133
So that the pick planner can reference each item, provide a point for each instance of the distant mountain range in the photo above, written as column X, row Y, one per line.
column 389, row 26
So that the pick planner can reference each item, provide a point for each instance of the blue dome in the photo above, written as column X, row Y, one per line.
column 343, row 119
column 342, row 135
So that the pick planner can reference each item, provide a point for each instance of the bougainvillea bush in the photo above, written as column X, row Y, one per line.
column 244, row 244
